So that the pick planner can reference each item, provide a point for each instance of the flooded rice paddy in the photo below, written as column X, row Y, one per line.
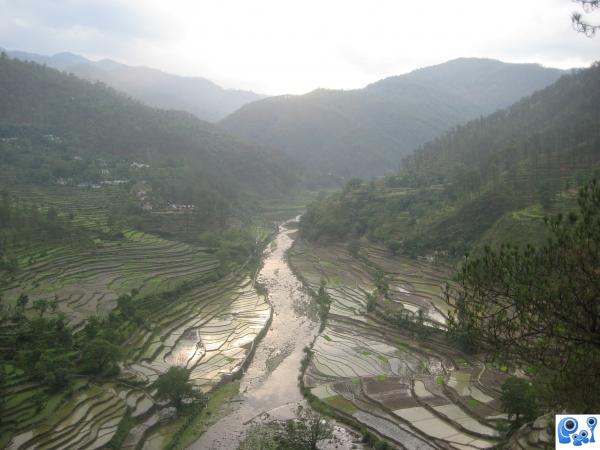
column 415, row 390
column 269, row 386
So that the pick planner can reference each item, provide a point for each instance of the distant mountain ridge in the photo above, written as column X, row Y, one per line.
column 365, row 132
column 97, row 120
column 199, row 96
column 484, row 183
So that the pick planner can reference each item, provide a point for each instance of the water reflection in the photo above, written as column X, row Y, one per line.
column 271, row 380
column 188, row 346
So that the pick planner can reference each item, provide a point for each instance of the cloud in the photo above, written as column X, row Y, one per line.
column 93, row 27
column 276, row 46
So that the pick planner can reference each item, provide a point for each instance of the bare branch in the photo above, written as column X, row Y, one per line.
column 580, row 25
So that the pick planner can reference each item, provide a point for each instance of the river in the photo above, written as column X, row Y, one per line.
column 269, row 387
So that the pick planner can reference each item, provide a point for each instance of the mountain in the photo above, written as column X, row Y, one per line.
column 196, row 95
column 365, row 132
column 491, row 180
column 84, row 121
column 59, row 61
column 119, row 218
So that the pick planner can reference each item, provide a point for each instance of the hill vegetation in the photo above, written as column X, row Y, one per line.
column 58, row 128
column 131, row 237
column 538, row 309
column 491, row 180
column 365, row 132
column 128, row 240
column 196, row 95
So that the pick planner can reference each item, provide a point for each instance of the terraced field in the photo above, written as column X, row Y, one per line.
column 91, row 208
column 87, row 282
column 192, row 317
column 88, row 207
column 415, row 285
column 210, row 329
column 85, row 416
column 88, row 420
column 416, row 391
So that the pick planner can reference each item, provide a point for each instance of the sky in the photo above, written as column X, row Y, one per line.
column 292, row 47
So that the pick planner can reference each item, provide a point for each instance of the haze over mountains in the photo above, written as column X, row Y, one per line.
column 148, row 255
column 203, row 98
column 365, row 132
column 331, row 133
column 489, row 181
column 93, row 121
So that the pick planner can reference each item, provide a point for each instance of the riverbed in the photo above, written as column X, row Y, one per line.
column 269, row 386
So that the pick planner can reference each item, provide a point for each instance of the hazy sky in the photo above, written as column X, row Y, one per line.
column 285, row 46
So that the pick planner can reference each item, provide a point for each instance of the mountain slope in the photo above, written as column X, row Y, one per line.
column 365, row 132
column 93, row 121
column 196, row 95
column 59, row 61
column 489, row 181
column 136, row 223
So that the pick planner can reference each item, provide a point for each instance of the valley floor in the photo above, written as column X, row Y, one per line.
column 194, row 316
column 405, row 384
column 210, row 329
column 269, row 387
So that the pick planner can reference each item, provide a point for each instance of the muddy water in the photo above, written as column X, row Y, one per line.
column 269, row 388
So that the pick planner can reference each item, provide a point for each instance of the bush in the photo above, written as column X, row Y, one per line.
column 174, row 386
column 518, row 400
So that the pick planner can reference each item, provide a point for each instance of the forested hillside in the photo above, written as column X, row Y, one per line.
column 91, row 121
column 123, row 230
column 366, row 132
column 201, row 97
column 491, row 180
column 410, row 264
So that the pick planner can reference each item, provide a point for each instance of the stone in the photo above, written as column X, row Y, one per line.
column 541, row 423
column 545, row 437
column 533, row 437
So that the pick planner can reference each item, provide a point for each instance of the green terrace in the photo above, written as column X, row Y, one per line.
column 162, row 302
column 86, row 282
column 404, row 383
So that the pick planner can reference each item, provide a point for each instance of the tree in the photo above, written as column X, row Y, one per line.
column 354, row 247
column 39, row 400
column 305, row 431
column 259, row 438
column 518, row 400
column 22, row 302
column 3, row 395
column 54, row 304
column 174, row 386
column 580, row 24
column 100, row 356
column 394, row 246
column 54, row 369
column 371, row 301
column 128, row 308
column 381, row 283
column 421, row 328
column 324, row 303
column 3, row 309
column 352, row 184
column 539, row 308
column 382, row 445
column 41, row 306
